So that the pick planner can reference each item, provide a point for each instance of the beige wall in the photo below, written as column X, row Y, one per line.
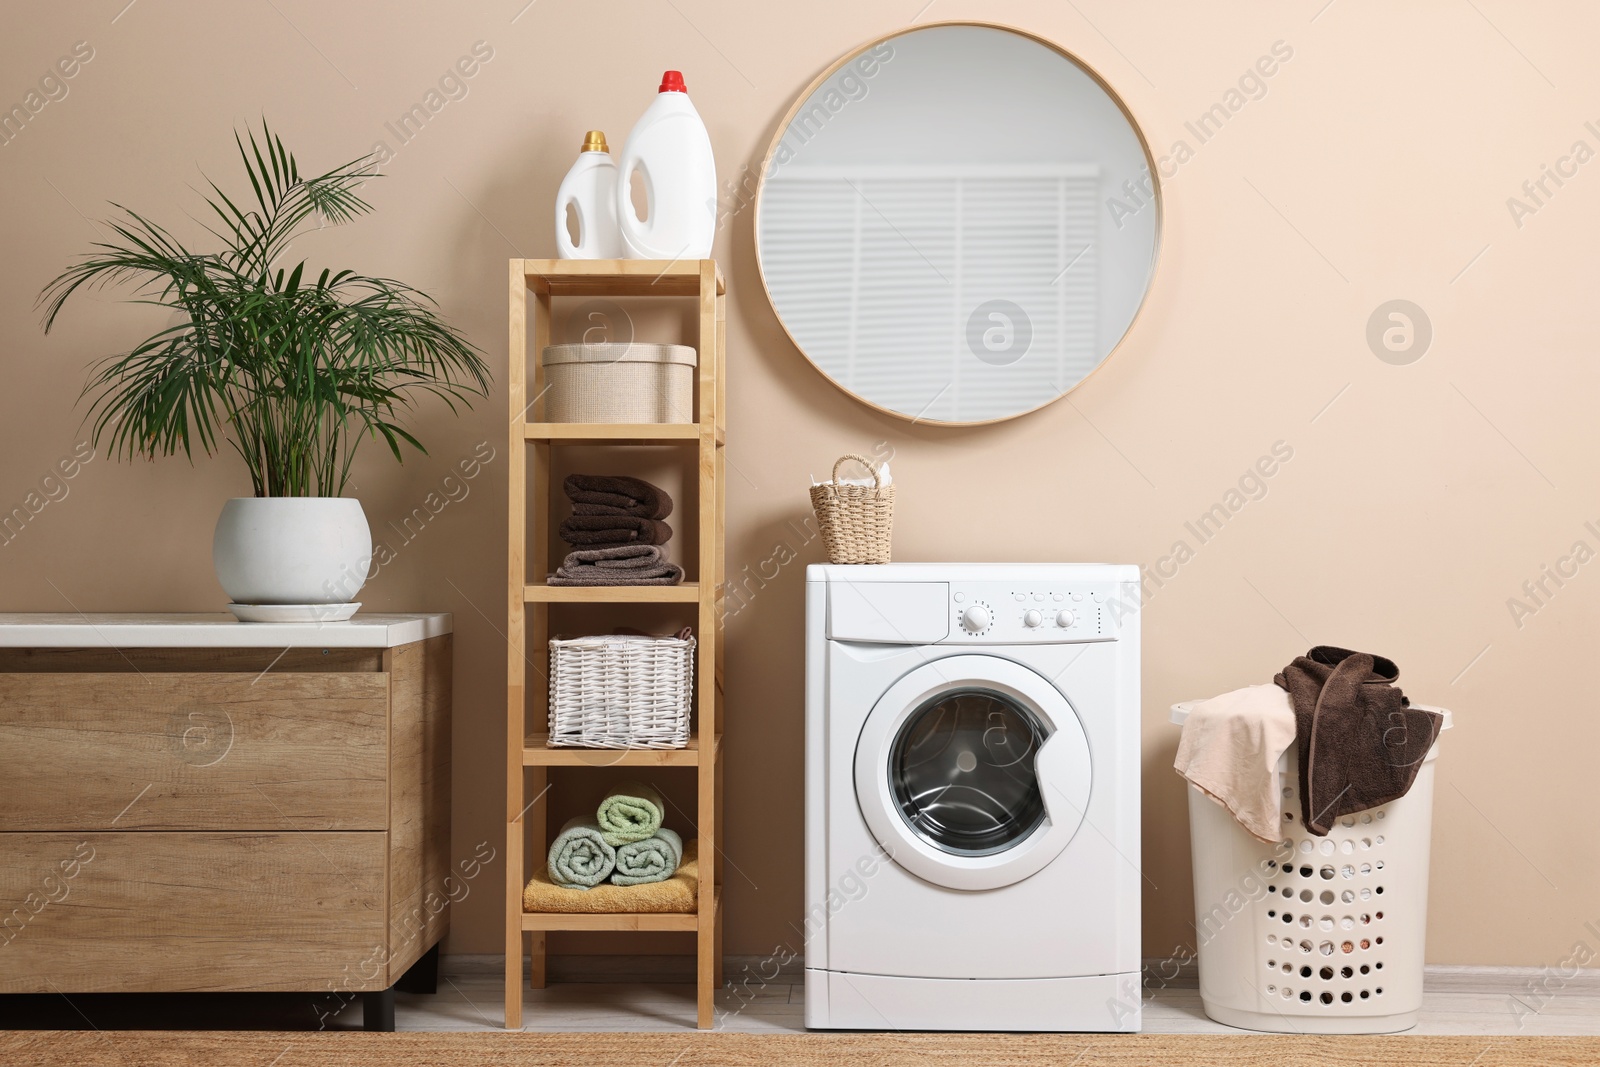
column 1377, row 166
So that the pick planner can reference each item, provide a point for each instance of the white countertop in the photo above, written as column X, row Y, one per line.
column 110, row 630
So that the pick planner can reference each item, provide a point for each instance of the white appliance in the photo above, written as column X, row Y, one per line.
column 972, row 797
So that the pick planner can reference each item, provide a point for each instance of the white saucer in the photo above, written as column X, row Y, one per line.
column 293, row 612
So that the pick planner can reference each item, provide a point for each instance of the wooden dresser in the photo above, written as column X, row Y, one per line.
column 191, row 804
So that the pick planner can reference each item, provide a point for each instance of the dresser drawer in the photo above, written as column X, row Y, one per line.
column 175, row 912
column 203, row 751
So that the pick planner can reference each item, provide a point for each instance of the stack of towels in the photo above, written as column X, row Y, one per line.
column 616, row 533
column 624, row 843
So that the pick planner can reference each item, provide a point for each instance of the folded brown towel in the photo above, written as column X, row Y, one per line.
column 579, row 508
column 1360, row 742
column 604, row 494
column 618, row 565
column 586, row 531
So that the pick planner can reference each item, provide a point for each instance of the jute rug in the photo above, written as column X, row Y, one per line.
column 80, row 1048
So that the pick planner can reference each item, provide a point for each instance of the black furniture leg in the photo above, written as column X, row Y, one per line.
column 377, row 1010
column 422, row 976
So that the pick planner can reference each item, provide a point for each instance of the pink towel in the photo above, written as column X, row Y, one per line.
column 1230, row 748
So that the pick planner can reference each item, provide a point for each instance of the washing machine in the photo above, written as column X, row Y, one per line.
column 972, row 797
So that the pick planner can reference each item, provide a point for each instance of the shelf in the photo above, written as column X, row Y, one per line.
column 622, row 433
column 537, row 287
column 617, row 277
column 536, row 753
column 552, row 920
column 564, row 920
column 685, row 593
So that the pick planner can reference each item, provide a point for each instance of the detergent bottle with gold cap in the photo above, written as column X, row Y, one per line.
column 590, row 191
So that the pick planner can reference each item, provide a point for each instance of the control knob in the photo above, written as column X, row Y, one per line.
column 975, row 619
column 1032, row 619
column 1065, row 618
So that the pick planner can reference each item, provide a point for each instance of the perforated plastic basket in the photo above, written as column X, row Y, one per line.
column 1314, row 935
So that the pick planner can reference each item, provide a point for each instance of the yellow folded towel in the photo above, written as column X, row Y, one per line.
column 677, row 894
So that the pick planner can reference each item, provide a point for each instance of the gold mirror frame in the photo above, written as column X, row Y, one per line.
column 1094, row 75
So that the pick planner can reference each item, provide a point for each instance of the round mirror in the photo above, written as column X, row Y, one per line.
column 957, row 223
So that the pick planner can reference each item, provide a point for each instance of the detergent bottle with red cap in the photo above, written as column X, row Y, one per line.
column 589, row 191
column 671, row 151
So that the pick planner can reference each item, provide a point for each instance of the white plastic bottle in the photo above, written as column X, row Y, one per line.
column 590, row 189
column 672, row 153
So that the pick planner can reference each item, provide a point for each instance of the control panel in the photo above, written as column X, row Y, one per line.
column 1042, row 613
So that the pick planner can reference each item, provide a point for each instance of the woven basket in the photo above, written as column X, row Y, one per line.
column 621, row 691
column 614, row 383
column 856, row 520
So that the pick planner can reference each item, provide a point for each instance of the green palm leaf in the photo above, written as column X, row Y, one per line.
column 293, row 373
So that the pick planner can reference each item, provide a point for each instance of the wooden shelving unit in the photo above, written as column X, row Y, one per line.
column 529, row 603
column 687, row 593
column 537, row 753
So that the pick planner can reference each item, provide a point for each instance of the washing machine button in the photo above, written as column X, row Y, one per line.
column 1065, row 618
column 1032, row 619
column 960, row 597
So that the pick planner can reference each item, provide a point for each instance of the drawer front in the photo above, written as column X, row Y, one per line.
column 191, row 912
column 131, row 751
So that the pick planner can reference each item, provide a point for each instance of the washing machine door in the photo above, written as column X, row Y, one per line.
column 973, row 772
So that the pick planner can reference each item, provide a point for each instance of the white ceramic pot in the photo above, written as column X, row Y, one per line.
column 292, row 550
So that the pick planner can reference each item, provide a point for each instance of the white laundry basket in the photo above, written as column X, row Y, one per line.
column 1314, row 935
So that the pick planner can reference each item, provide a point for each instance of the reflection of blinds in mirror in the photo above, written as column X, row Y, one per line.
column 877, row 271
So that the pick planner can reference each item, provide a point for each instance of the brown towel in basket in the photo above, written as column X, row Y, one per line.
column 618, row 565
column 1359, row 741
column 604, row 494
column 597, row 531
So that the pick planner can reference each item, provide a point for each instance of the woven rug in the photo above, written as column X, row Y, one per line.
column 81, row 1048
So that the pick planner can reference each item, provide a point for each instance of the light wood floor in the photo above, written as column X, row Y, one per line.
column 1467, row 1002
column 1455, row 1003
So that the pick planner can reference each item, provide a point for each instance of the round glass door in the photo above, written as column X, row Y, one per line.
column 962, row 772
column 972, row 772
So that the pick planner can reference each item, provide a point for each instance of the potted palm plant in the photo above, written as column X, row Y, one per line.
column 293, row 369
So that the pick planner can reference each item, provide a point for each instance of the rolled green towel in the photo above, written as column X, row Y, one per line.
column 579, row 856
column 655, row 859
column 630, row 812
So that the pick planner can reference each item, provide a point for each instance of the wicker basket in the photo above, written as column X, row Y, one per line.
column 856, row 520
column 621, row 691
column 614, row 383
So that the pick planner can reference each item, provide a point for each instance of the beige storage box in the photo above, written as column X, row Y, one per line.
column 613, row 383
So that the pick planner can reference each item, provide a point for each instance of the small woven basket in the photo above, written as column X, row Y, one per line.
column 856, row 520
column 621, row 691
